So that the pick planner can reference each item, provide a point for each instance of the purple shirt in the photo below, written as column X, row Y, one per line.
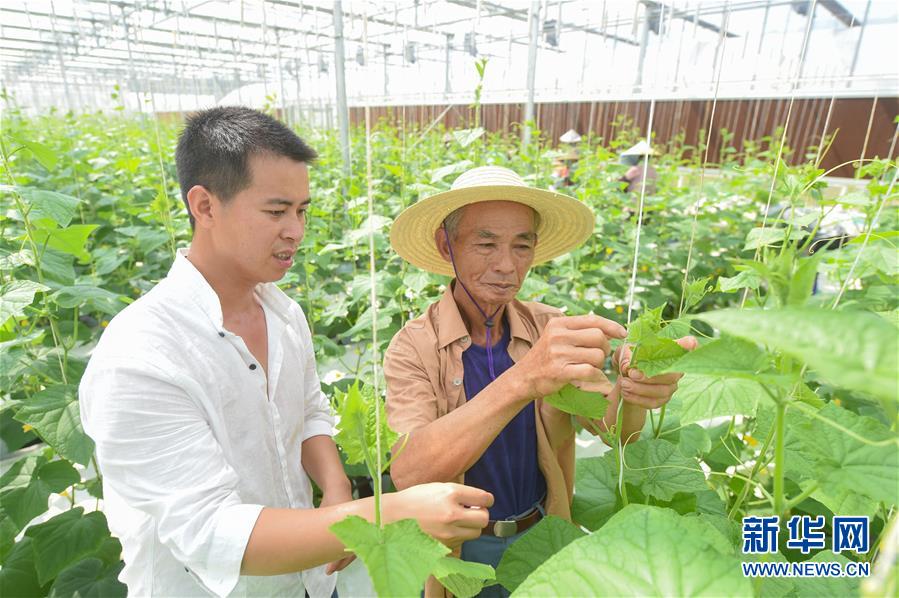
column 508, row 468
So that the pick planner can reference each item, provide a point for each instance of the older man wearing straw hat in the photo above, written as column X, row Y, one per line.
column 466, row 379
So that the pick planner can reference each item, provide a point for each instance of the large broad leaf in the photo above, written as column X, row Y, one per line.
column 575, row 401
column 90, row 578
column 15, row 296
column 465, row 137
column 71, row 240
column 49, row 206
column 853, row 350
column 595, row 491
column 661, row 470
column 842, row 463
column 642, row 551
column 761, row 237
column 81, row 294
column 455, row 168
column 54, row 414
column 398, row 557
column 463, row 579
column 18, row 576
column 25, row 488
column 700, row 397
column 66, row 539
column 45, row 156
column 747, row 279
column 724, row 357
column 827, row 587
column 532, row 549
column 656, row 355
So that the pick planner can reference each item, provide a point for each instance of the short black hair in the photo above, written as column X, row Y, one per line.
column 215, row 146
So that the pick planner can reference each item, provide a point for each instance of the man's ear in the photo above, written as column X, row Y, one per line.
column 201, row 203
column 440, row 238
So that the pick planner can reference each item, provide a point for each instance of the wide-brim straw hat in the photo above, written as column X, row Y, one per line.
column 565, row 222
column 640, row 149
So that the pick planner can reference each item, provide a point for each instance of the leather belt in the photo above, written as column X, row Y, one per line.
column 506, row 528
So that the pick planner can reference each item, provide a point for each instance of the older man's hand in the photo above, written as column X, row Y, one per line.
column 571, row 349
column 642, row 391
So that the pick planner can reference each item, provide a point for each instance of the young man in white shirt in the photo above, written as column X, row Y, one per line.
column 204, row 402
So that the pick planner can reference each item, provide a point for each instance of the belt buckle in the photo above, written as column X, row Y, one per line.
column 505, row 528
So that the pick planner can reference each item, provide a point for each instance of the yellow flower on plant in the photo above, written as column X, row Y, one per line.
column 619, row 309
column 104, row 323
column 609, row 250
column 27, row 428
column 750, row 440
column 838, row 402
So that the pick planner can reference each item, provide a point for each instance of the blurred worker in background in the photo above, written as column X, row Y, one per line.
column 466, row 379
column 203, row 399
column 636, row 158
column 565, row 162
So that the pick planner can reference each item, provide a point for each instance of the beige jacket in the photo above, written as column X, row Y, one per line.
column 423, row 368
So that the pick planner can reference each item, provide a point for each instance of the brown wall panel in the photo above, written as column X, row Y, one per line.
column 746, row 119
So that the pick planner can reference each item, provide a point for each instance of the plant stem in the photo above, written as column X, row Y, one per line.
column 779, row 501
column 658, row 431
column 755, row 469
column 619, row 451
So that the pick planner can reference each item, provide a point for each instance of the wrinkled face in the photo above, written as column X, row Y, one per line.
column 258, row 231
column 493, row 248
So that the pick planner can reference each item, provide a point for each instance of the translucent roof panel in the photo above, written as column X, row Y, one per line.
column 174, row 55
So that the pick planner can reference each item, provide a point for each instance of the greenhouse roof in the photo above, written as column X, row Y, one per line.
column 179, row 54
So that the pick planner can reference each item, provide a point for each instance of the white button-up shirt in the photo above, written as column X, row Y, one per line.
column 193, row 440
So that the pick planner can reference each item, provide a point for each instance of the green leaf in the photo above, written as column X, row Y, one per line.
column 398, row 557
column 803, row 280
column 54, row 414
column 90, row 578
column 662, row 470
column 58, row 475
column 465, row 137
column 762, row 237
column 575, row 401
column 699, row 397
column 694, row 292
column 694, row 441
column 51, row 206
column 727, row 357
column 18, row 576
column 652, row 356
column 843, row 501
column 71, row 240
column 26, row 486
column 747, row 279
column 65, row 539
column 646, row 326
column 853, row 350
column 357, row 431
column 43, row 154
column 461, row 578
column 642, row 551
column 15, row 296
column 596, row 491
column 84, row 294
column 842, row 463
column 450, row 169
column 827, row 587
column 532, row 549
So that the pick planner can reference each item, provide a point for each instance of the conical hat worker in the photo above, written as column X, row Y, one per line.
column 636, row 158
column 466, row 379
